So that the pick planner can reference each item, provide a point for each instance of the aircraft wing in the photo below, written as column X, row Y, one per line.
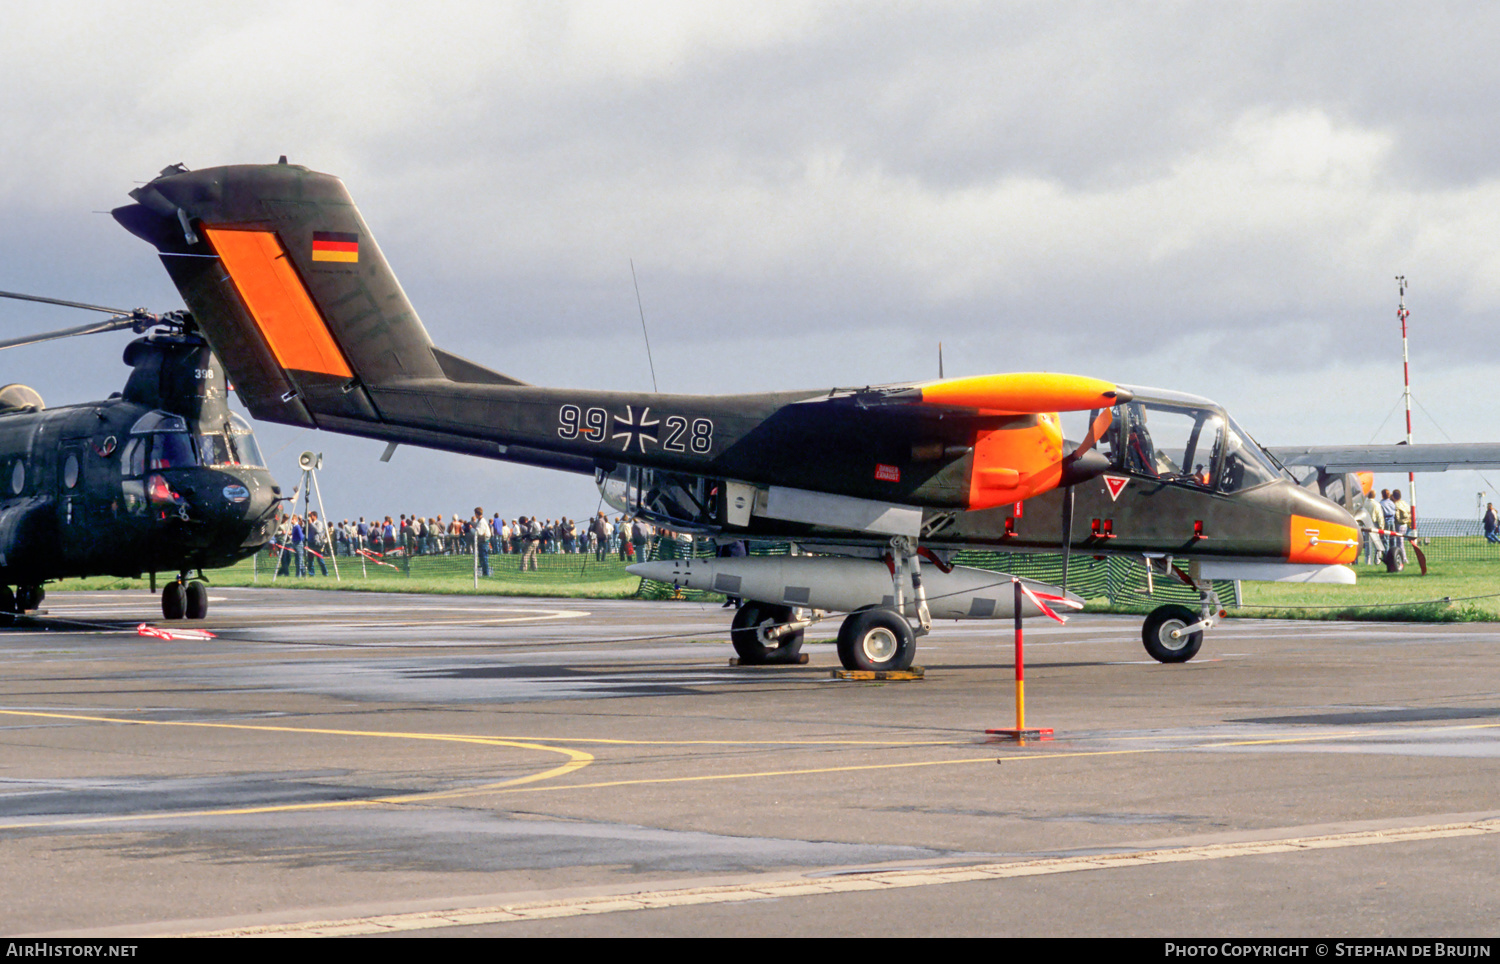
column 1392, row 458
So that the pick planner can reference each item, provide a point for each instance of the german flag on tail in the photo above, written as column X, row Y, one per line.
column 335, row 246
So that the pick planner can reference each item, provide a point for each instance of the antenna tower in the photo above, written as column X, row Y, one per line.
column 1403, row 314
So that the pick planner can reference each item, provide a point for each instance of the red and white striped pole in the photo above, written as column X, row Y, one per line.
column 1021, row 732
column 1403, row 314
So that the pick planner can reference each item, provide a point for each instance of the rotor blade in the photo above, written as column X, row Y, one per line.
column 65, row 304
column 114, row 324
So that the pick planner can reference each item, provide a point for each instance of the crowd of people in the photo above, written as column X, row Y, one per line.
column 1385, row 538
column 303, row 544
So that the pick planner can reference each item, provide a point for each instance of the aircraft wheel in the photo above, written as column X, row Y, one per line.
column 197, row 600
column 173, row 600
column 753, row 649
column 1157, row 634
column 7, row 600
column 876, row 639
column 28, row 598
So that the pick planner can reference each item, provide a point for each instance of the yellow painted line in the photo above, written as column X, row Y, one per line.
column 805, row 887
column 577, row 760
column 499, row 740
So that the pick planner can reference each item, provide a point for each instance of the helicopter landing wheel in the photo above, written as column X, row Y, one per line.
column 28, row 598
column 7, row 600
column 197, row 600
column 173, row 600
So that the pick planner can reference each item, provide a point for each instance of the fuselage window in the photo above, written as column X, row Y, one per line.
column 1245, row 465
column 70, row 471
column 18, row 477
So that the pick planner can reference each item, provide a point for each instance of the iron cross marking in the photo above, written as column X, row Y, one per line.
column 635, row 430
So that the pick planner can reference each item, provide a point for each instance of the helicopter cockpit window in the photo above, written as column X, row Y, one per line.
column 158, row 422
column 242, row 440
column 215, row 449
column 1169, row 442
column 1245, row 465
column 172, row 450
column 133, row 457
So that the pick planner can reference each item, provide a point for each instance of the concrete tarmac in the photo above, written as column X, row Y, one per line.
column 351, row 763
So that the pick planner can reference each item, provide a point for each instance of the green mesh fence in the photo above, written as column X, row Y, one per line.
column 1455, row 540
column 1120, row 580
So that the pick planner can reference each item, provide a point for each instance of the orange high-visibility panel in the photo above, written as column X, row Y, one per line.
column 1014, row 464
column 278, row 301
column 1328, row 543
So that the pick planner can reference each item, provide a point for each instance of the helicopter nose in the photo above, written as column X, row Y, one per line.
column 1320, row 531
column 237, row 508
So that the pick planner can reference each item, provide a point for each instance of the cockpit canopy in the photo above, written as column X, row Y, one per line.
column 1185, row 440
column 161, row 440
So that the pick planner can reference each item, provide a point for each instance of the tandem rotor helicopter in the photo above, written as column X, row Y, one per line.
column 287, row 285
column 160, row 477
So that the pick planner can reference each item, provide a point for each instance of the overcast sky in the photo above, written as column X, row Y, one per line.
column 1213, row 198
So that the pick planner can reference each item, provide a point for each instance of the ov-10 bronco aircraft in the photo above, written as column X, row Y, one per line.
column 285, row 281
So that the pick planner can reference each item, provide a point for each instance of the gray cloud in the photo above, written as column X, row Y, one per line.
column 1213, row 197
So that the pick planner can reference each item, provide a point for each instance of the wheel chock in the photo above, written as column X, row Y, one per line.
column 801, row 660
column 893, row 675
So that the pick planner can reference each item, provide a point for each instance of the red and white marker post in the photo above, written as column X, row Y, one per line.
column 1020, row 732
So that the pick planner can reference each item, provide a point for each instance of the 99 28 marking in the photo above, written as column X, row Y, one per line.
column 576, row 422
column 634, row 430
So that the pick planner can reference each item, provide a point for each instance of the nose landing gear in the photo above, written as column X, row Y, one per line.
column 1174, row 633
column 182, row 599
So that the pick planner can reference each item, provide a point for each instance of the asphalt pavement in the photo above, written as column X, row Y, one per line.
column 369, row 763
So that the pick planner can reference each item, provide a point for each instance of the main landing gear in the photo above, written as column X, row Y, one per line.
column 765, row 635
column 876, row 639
column 183, row 599
column 23, row 599
column 870, row 638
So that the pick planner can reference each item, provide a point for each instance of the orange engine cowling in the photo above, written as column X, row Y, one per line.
column 1012, row 464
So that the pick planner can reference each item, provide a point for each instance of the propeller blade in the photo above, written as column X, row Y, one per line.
column 68, row 304
column 1067, row 533
column 114, row 324
column 1097, row 429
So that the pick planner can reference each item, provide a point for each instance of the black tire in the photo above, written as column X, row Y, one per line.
column 28, row 598
column 876, row 639
column 1157, row 634
column 750, row 620
column 173, row 600
column 7, row 600
column 197, row 600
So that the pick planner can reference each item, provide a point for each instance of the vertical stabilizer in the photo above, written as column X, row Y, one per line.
column 287, row 283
